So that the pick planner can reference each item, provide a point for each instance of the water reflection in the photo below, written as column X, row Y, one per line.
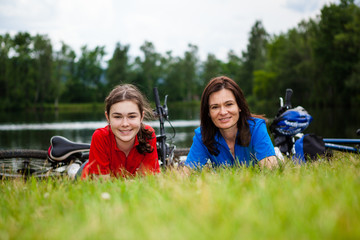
column 87, row 125
column 33, row 130
column 37, row 136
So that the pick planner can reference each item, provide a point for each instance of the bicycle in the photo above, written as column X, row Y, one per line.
column 64, row 157
column 289, row 124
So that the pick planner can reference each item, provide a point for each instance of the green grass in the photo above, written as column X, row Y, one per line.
column 318, row 200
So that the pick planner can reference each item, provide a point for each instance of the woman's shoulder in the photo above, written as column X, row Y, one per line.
column 253, row 121
column 198, row 131
column 256, row 123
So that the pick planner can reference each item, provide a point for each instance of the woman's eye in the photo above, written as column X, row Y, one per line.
column 214, row 107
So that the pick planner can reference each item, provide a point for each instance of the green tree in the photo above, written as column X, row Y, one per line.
column 21, row 81
column 87, row 83
column 5, row 46
column 174, row 79
column 42, row 53
column 64, row 70
column 191, row 82
column 118, row 66
column 337, row 53
column 212, row 67
column 264, row 86
column 166, row 83
column 254, row 57
column 290, row 58
column 147, row 69
column 179, row 78
column 232, row 68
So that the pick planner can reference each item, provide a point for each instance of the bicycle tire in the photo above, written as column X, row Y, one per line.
column 24, row 163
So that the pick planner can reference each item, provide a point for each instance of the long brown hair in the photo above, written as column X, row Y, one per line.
column 208, row 128
column 128, row 92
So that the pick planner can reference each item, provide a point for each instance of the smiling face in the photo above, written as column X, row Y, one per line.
column 125, row 122
column 223, row 109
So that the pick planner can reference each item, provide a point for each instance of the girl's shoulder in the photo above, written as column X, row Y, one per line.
column 101, row 132
column 102, row 136
column 148, row 127
column 149, row 131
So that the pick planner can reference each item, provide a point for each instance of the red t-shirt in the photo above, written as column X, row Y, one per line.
column 106, row 158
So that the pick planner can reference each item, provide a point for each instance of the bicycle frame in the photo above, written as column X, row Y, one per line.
column 335, row 144
column 165, row 152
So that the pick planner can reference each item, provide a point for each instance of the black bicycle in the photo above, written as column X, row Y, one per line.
column 65, row 157
column 288, row 126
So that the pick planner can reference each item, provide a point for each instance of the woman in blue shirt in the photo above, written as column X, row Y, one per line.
column 229, row 134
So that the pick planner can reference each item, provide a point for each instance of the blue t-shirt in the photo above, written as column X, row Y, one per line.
column 259, row 148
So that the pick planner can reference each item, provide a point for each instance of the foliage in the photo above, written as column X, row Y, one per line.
column 337, row 52
column 212, row 67
column 313, row 201
column 118, row 67
column 63, row 70
column 255, row 56
column 319, row 59
column 264, row 88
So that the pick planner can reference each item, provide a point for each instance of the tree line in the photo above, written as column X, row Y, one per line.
column 319, row 59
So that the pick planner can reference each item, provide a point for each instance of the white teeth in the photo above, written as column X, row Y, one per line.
column 125, row 131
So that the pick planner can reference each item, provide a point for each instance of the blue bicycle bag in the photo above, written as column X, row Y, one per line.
column 309, row 147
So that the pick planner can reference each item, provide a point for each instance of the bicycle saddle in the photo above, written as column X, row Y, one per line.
column 61, row 148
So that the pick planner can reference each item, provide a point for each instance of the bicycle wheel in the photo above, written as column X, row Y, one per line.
column 25, row 163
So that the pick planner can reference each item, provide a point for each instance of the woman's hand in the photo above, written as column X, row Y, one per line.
column 269, row 162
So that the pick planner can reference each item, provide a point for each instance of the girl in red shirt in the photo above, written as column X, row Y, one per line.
column 126, row 146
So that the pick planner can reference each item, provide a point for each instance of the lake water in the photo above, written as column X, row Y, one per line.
column 33, row 130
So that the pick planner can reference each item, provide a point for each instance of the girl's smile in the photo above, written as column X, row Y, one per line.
column 125, row 121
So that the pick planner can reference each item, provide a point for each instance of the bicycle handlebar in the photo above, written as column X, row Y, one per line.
column 157, row 101
column 288, row 95
column 287, row 105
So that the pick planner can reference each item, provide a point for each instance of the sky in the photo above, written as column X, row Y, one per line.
column 214, row 26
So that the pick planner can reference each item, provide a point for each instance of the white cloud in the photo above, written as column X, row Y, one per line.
column 215, row 26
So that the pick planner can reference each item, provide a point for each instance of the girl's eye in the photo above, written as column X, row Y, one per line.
column 213, row 107
column 132, row 117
